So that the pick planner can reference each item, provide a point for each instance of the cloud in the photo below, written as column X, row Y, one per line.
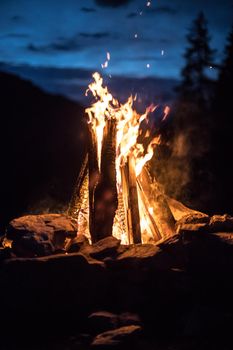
column 88, row 9
column 132, row 15
column 112, row 3
column 75, row 43
column 98, row 35
column 62, row 45
column 15, row 35
column 162, row 10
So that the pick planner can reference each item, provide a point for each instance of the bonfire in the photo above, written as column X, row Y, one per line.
column 115, row 193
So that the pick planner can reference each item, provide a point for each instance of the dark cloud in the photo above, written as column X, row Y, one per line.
column 132, row 15
column 112, row 3
column 62, row 45
column 15, row 35
column 88, row 9
column 162, row 10
column 98, row 35
column 74, row 43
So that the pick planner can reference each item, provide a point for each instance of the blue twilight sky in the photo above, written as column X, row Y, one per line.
column 78, row 34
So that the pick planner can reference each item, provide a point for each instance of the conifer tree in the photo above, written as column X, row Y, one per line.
column 195, row 83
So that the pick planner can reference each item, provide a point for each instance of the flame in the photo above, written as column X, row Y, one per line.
column 128, row 130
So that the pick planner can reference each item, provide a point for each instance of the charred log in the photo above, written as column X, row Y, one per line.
column 103, row 190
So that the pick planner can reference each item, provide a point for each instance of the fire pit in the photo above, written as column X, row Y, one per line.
column 126, row 266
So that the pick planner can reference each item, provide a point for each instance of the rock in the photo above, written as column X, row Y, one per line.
column 128, row 318
column 120, row 338
column 141, row 251
column 5, row 253
column 185, row 229
column 40, row 235
column 221, row 223
column 77, row 243
column 194, row 222
column 106, row 247
column 193, row 218
column 179, row 210
column 52, row 285
column 102, row 321
column 203, row 223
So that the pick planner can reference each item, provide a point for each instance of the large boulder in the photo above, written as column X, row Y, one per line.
column 40, row 235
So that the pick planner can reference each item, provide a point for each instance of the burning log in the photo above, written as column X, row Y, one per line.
column 103, row 198
column 76, row 199
column 162, row 214
column 133, row 202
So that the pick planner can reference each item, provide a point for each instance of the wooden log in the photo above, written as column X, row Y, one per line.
column 94, row 177
column 152, row 226
column 133, row 202
column 162, row 214
column 72, row 209
column 104, row 195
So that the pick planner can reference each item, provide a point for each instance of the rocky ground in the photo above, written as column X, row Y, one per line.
column 59, row 292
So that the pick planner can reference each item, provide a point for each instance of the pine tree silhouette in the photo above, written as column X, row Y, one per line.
column 222, row 140
column 199, row 56
column 224, row 93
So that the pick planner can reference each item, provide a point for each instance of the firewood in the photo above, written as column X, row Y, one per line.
column 133, row 201
column 104, row 193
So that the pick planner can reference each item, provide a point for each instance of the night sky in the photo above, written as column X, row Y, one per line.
column 143, row 41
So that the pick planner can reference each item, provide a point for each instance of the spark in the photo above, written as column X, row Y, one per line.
column 148, row 65
column 104, row 65
column 135, row 35
column 108, row 56
column 211, row 67
column 140, row 13
column 148, row 3
column 162, row 52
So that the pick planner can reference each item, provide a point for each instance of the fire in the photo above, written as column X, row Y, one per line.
column 129, row 126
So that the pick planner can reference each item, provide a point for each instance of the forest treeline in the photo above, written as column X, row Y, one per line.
column 198, row 169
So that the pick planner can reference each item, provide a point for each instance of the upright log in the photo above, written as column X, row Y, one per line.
column 104, row 199
column 94, row 178
column 133, row 202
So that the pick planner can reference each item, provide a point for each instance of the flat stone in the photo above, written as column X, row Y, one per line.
column 106, row 247
column 102, row 321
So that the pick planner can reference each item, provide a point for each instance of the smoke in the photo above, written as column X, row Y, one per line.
column 46, row 205
column 182, row 164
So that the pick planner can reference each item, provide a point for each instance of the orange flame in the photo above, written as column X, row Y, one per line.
column 128, row 123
